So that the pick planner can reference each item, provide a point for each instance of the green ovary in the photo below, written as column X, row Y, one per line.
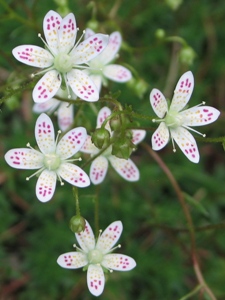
column 63, row 63
column 52, row 161
column 173, row 119
column 95, row 256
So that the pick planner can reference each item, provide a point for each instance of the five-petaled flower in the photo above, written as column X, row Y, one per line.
column 124, row 167
column 62, row 60
column 101, row 67
column 175, row 121
column 96, row 256
column 52, row 159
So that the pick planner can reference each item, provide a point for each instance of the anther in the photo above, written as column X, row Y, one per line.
column 153, row 120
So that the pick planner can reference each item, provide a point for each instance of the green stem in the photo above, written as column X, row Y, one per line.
column 192, row 293
column 96, row 199
column 75, row 194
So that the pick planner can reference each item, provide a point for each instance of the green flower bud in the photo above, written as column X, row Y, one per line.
column 139, row 86
column 77, row 224
column 174, row 4
column 187, row 55
column 100, row 138
column 115, row 123
column 123, row 147
column 93, row 24
column 160, row 34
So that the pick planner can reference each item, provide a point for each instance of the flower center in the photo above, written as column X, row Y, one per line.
column 63, row 63
column 95, row 256
column 52, row 161
column 173, row 119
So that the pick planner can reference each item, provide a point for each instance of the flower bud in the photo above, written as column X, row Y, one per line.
column 77, row 224
column 187, row 55
column 123, row 147
column 115, row 123
column 160, row 34
column 100, row 138
column 174, row 4
column 139, row 86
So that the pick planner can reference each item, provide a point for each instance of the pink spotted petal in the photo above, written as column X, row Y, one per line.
column 23, row 158
column 89, row 48
column 74, row 175
column 45, row 134
column 33, row 56
column 160, row 137
column 138, row 136
column 72, row 260
column 186, row 142
column 117, row 73
column 98, row 170
column 86, row 238
column 48, row 106
column 102, row 115
column 199, row 116
column 51, row 26
column 109, row 237
column 71, row 142
column 45, row 186
column 88, row 33
column 47, row 86
column 65, row 116
column 118, row 262
column 97, row 79
column 67, row 33
column 89, row 147
column 82, row 85
column 95, row 280
column 125, row 168
column 158, row 103
column 183, row 91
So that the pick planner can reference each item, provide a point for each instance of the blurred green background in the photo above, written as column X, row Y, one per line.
column 33, row 235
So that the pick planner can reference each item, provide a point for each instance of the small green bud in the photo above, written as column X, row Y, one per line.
column 115, row 123
column 93, row 24
column 139, row 86
column 160, row 34
column 174, row 4
column 100, row 138
column 123, row 147
column 187, row 55
column 77, row 224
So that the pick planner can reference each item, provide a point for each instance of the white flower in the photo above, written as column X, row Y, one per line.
column 63, row 59
column 96, row 255
column 101, row 67
column 175, row 121
column 65, row 111
column 124, row 167
column 52, row 159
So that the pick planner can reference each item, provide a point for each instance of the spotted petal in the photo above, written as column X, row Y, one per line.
column 82, row 85
column 48, row 106
column 74, row 175
column 186, row 142
column 88, row 32
column 86, row 238
column 89, row 147
column 97, row 79
column 51, row 26
column 45, row 134
column 138, row 136
column 98, row 169
column 109, row 237
column 45, row 186
column 199, row 116
column 23, row 158
column 158, row 103
column 71, row 142
column 182, row 91
column 72, row 260
column 67, row 33
column 65, row 116
column 89, row 48
column 125, row 168
column 160, row 137
column 102, row 115
column 33, row 56
column 47, row 86
column 95, row 279
column 117, row 73
column 118, row 262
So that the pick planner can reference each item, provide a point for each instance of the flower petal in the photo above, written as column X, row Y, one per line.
column 86, row 238
column 45, row 186
column 71, row 142
column 183, row 91
column 125, row 168
column 158, row 103
column 65, row 116
column 23, row 158
column 89, row 147
column 74, row 175
column 98, row 170
column 95, row 280
column 67, row 33
column 51, row 26
column 111, row 49
column 88, row 32
column 186, row 142
column 33, row 56
column 97, row 79
column 109, row 237
column 72, row 260
column 117, row 73
column 104, row 113
column 45, row 134
column 89, row 48
column 82, row 85
column 47, row 86
column 138, row 136
column 118, row 262
column 199, row 116
column 160, row 137
column 48, row 106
